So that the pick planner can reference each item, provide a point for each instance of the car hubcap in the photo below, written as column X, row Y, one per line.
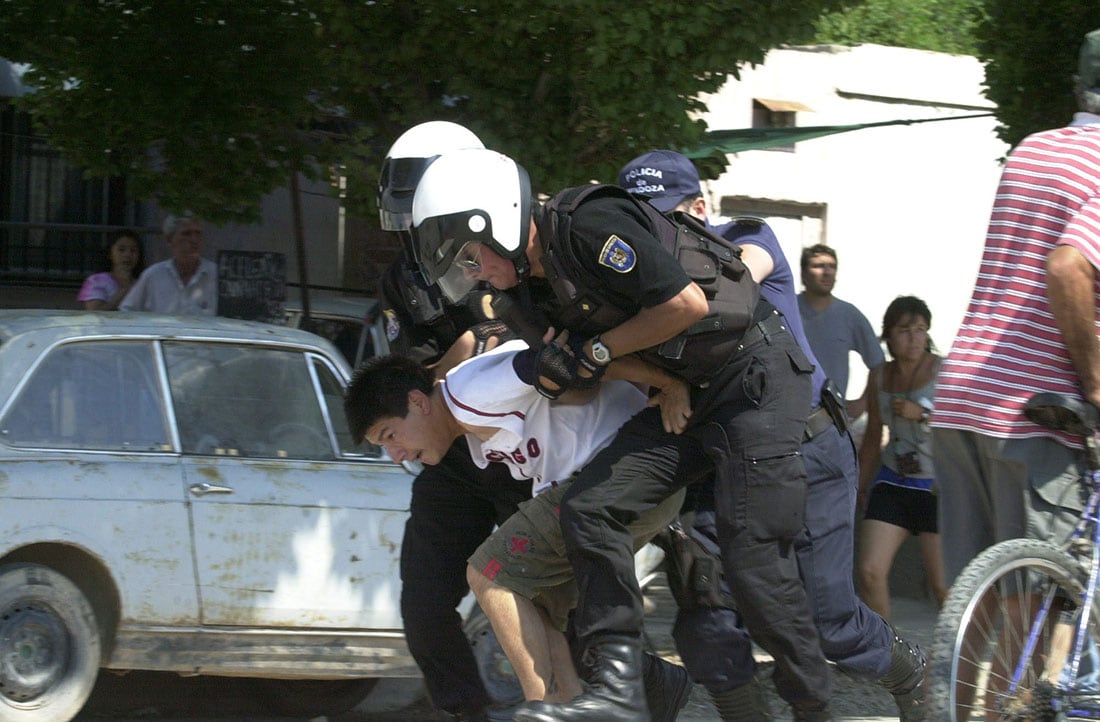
column 496, row 671
column 33, row 648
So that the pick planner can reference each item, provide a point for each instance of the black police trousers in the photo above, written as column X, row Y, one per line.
column 747, row 432
column 454, row 507
column 713, row 643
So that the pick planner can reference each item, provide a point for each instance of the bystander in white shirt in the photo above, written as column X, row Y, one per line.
column 161, row 290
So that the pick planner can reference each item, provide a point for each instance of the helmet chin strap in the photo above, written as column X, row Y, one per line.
column 545, row 227
column 523, row 267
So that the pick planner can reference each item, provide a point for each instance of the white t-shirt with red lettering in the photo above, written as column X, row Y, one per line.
column 539, row 440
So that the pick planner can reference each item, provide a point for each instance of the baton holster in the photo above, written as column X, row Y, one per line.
column 835, row 405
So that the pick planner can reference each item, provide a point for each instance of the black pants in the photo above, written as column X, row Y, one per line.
column 714, row 646
column 455, row 506
column 749, row 436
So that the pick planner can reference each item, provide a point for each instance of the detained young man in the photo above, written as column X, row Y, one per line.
column 521, row 576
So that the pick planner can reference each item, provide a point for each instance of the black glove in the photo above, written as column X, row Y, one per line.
column 552, row 369
column 556, row 370
column 486, row 330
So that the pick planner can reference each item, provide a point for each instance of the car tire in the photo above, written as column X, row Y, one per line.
column 496, row 671
column 311, row 697
column 49, row 645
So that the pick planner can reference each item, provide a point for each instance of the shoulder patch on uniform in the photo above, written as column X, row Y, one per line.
column 617, row 254
column 393, row 326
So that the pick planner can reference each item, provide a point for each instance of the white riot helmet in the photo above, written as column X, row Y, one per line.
column 470, row 196
column 405, row 162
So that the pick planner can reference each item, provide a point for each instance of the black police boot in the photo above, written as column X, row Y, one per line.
column 667, row 688
column 905, row 678
column 616, row 692
column 811, row 712
column 742, row 704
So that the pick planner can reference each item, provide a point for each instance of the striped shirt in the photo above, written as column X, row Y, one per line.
column 1008, row 346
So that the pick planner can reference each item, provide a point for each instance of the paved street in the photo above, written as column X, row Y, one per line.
column 168, row 698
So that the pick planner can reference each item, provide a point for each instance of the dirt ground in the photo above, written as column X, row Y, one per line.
column 144, row 696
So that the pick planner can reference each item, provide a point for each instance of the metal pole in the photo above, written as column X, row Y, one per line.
column 300, row 244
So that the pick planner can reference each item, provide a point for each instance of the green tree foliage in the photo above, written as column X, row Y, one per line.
column 1030, row 50
column 946, row 26
column 200, row 103
column 210, row 103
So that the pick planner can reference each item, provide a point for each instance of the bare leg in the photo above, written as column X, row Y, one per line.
column 878, row 545
column 1061, row 641
column 566, row 684
column 521, row 631
column 932, row 558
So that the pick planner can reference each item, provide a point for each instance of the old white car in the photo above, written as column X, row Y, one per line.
column 351, row 322
column 181, row 494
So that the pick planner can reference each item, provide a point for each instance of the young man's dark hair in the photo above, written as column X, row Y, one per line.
column 815, row 250
column 379, row 389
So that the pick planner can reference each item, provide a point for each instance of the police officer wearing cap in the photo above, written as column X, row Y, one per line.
column 633, row 308
column 455, row 505
column 712, row 643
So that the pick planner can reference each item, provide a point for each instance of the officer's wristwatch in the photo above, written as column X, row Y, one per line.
column 601, row 354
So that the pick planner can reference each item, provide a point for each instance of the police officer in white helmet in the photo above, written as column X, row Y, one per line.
column 635, row 302
column 455, row 505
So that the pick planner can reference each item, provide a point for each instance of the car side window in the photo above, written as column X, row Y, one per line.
column 345, row 334
column 333, row 392
column 100, row 395
column 247, row 401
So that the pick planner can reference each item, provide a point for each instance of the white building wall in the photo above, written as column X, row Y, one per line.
column 905, row 206
column 321, row 231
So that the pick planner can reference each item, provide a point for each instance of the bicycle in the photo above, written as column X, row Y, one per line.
column 1021, row 623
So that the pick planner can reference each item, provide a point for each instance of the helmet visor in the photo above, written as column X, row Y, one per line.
column 396, row 186
column 394, row 220
column 402, row 174
column 456, row 284
column 440, row 238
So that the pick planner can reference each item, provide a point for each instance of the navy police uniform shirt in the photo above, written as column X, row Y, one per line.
column 778, row 288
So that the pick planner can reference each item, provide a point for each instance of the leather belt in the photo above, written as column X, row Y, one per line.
column 819, row 421
column 762, row 330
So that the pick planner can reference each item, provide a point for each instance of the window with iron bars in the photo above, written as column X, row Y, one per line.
column 54, row 223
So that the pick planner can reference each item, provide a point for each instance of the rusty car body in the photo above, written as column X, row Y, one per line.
column 181, row 494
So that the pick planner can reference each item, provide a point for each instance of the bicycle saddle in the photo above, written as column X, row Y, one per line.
column 1062, row 413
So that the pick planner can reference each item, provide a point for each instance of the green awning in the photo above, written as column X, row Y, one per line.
column 735, row 141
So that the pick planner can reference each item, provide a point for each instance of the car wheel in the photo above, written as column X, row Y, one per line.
column 496, row 671
column 311, row 697
column 49, row 645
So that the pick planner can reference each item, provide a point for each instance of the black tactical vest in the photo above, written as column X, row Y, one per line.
column 587, row 307
column 444, row 322
column 423, row 304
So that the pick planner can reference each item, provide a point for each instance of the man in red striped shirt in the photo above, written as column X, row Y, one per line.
column 1031, row 327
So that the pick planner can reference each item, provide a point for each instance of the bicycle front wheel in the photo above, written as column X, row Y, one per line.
column 1005, row 633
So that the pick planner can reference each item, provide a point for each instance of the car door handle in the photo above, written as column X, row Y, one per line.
column 203, row 488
